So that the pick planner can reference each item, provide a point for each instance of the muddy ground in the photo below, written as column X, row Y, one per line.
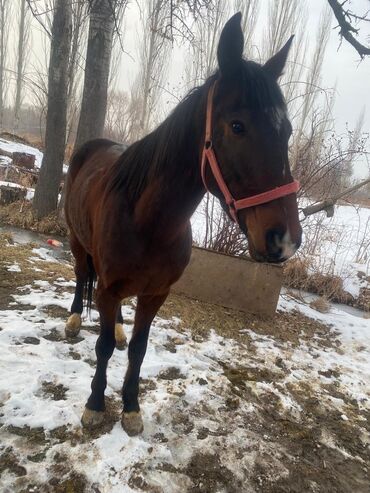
column 271, row 407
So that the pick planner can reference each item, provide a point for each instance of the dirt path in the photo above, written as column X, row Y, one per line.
column 230, row 403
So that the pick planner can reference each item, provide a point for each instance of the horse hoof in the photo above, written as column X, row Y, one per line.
column 91, row 419
column 73, row 325
column 132, row 423
column 121, row 341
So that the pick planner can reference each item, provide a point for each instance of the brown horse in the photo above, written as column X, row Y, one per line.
column 128, row 210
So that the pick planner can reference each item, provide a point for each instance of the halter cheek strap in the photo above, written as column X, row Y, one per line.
column 209, row 157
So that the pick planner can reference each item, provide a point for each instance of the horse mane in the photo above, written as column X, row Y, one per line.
column 157, row 153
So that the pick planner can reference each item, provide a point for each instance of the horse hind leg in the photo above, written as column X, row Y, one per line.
column 73, row 325
column 119, row 334
column 147, row 308
column 94, row 411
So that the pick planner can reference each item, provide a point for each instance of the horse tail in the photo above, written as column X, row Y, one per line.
column 89, row 283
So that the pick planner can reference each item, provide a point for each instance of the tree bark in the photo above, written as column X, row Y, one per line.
column 46, row 193
column 20, row 64
column 99, row 49
column 4, row 6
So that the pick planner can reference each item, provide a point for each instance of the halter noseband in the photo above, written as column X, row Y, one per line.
column 208, row 156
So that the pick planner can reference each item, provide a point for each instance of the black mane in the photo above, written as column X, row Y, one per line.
column 158, row 152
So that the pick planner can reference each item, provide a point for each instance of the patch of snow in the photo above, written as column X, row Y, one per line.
column 44, row 254
column 10, row 146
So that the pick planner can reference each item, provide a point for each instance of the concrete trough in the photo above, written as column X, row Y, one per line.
column 232, row 282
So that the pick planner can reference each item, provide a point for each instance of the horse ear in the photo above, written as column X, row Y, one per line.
column 230, row 46
column 276, row 64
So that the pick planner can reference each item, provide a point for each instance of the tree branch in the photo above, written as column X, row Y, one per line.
column 347, row 31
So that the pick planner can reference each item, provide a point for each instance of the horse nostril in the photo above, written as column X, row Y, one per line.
column 274, row 240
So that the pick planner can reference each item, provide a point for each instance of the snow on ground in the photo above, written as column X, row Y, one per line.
column 11, row 146
column 277, row 406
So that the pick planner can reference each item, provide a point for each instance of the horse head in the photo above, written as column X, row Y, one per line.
column 247, row 137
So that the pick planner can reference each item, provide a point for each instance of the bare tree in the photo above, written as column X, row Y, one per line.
column 23, row 43
column 282, row 20
column 4, row 28
column 46, row 193
column 153, row 58
column 305, row 107
column 202, row 61
column 249, row 10
column 120, row 114
column 102, row 21
column 76, row 62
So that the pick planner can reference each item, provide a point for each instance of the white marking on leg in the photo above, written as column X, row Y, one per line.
column 73, row 325
column 121, row 340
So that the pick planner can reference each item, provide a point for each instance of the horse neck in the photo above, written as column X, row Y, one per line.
column 173, row 196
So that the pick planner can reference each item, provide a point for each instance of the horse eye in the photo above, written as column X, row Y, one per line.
column 237, row 127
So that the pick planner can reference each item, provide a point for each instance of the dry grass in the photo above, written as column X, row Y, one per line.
column 27, row 139
column 296, row 273
column 20, row 214
column 200, row 318
column 321, row 305
column 363, row 301
column 329, row 286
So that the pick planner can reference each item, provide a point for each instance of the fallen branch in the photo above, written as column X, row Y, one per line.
column 328, row 204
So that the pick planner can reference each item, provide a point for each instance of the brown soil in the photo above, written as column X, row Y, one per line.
column 57, row 392
column 209, row 475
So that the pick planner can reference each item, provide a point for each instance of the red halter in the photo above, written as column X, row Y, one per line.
column 208, row 156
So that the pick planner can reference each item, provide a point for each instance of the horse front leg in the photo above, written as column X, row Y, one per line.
column 95, row 406
column 147, row 308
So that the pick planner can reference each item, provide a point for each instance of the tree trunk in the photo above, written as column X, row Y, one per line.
column 3, row 45
column 20, row 64
column 46, row 194
column 99, row 49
